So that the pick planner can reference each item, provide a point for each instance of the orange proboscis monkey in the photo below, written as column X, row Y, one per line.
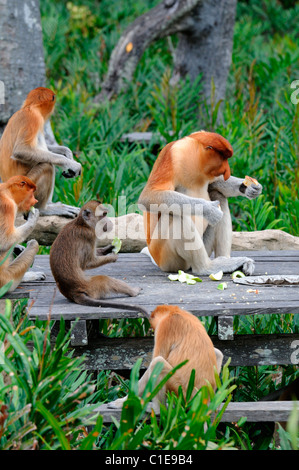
column 17, row 195
column 24, row 151
column 186, row 212
column 179, row 336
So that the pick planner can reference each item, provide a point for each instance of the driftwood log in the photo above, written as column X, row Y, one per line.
column 129, row 228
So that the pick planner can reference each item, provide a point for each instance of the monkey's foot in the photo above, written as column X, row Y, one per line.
column 152, row 405
column 227, row 265
column 62, row 210
column 134, row 291
column 34, row 276
column 248, row 267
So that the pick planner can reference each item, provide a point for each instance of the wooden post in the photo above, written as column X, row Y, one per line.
column 225, row 327
column 79, row 333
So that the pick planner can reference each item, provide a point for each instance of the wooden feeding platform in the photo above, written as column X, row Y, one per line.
column 202, row 299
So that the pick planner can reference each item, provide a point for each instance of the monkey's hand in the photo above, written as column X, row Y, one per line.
column 18, row 249
column 33, row 217
column 67, row 152
column 34, row 276
column 105, row 250
column 212, row 212
column 72, row 169
column 111, row 258
column 253, row 191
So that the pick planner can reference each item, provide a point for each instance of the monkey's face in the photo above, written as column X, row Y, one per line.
column 214, row 152
column 215, row 164
column 28, row 200
column 95, row 215
column 104, row 224
column 22, row 190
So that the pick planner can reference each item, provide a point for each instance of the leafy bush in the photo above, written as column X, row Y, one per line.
column 47, row 400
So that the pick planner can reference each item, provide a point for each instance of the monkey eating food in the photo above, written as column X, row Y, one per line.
column 17, row 196
column 186, row 212
column 74, row 251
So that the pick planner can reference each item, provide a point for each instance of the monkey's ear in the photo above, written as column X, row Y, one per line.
column 86, row 214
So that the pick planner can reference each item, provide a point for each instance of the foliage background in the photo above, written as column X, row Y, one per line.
column 259, row 118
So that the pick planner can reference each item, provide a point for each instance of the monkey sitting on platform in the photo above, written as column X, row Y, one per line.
column 74, row 251
column 17, row 196
column 179, row 335
column 186, row 212
column 24, row 151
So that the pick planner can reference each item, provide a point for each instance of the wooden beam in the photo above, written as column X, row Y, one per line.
column 244, row 350
column 272, row 411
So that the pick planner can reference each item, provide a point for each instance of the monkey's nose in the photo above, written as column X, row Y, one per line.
column 105, row 227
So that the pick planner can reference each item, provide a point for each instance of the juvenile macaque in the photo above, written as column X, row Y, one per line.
column 17, row 196
column 74, row 251
column 179, row 336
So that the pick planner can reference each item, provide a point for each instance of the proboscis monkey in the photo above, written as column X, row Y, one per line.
column 74, row 251
column 17, row 195
column 183, row 225
column 23, row 151
column 179, row 336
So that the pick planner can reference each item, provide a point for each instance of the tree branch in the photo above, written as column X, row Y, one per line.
column 163, row 20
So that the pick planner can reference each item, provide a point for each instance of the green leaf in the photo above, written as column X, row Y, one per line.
column 88, row 442
column 65, row 445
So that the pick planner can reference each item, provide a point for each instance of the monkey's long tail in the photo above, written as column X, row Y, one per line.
column 84, row 299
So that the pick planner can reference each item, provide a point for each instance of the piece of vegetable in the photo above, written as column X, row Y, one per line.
column 216, row 276
column 184, row 277
column 32, row 209
column 117, row 244
column 222, row 286
column 236, row 274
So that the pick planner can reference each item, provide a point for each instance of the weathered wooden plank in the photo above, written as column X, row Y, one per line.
column 201, row 299
column 244, row 350
column 272, row 411
column 288, row 261
column 256, row 412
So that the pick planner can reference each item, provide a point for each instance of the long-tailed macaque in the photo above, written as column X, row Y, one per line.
column 179, row 336
column 74, row 251
column 23, row 151
column 186, row 213
column 17, row 195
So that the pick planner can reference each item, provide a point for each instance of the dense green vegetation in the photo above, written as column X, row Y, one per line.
column 45, row 399
column 259, row 118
